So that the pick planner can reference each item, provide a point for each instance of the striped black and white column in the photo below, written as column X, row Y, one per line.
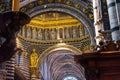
column 118, row 10
column 9, row 67
column 113, row 17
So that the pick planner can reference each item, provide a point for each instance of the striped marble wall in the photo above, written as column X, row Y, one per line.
column 5, row 5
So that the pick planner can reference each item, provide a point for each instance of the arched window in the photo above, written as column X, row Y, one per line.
column 70, row 77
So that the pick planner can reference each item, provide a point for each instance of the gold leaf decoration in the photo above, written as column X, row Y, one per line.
column 31, row 5
column 59, row 1
column 77, row 5
column 91, row 16
column 84, row 10
column 69, row 3
column 23, row 9
column 50, row 0
column 40, row 1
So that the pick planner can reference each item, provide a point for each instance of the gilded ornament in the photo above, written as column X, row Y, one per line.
column 89, row 48
column 69, row 3
column 33, row 58
column 91, row 16
column 31, row 5
column 84, row 10
column 59, row 1
column 23, row 9
column 40, row 1
column 77, row 5
column 50, row 0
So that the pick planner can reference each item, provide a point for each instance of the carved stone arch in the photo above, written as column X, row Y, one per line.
column 60, row 46
column 55, row 63
column 76, row 13
column 67, row 70
column 57, row 67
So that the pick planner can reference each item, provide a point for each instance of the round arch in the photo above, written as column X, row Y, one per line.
column 61, row 46
column 76, row 13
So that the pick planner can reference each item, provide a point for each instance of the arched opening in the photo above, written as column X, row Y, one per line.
column 58, row 63
column 56, row 27
column 65, row 9
column 57, row 24
column 70, row 77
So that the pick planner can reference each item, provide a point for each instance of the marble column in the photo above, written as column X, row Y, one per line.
column 113, row 20
column 97, row 18
column 118, row 10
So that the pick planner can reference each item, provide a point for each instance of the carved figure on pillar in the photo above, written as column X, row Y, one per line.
column 105, row 42
column 101, row 46
column 74, row 32
column 34, row 33
column 33, row 58
column 53, row 34
column 29, row 32
column 67, row 35
column 40, row 34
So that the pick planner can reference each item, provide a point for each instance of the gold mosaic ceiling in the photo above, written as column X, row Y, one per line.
column 53, row 26
column 53, row 20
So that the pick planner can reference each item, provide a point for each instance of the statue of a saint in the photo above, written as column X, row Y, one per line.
column 67, row 35
column 74, row 33
column 40, row 34
column 29, row 32
column 53, row 34
column 34, row 33
column 33, row 58
column 81, row 31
